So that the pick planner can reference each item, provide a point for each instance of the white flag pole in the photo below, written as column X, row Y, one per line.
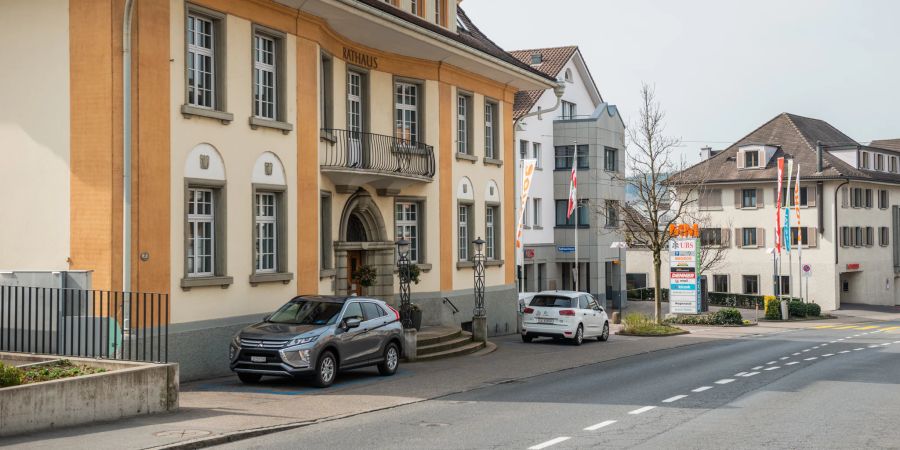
column 575, row 188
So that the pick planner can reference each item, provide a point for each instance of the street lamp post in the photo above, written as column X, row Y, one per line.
column 403, row 270
column 479, row 319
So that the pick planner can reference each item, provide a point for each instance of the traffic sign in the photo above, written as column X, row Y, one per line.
column 806, row 269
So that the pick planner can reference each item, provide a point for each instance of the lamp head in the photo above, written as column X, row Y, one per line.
column 479, row 244
column 402, row 246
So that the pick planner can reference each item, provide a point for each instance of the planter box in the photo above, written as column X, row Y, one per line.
column 126, row 389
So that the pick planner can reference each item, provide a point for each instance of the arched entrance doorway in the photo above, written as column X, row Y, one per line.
column 363, row 242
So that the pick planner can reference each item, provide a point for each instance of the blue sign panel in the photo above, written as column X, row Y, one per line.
column 566, row 249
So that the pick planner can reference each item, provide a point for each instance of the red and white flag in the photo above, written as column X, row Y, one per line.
column 573, row 187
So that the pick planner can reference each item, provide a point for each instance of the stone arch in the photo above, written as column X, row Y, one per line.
column 464, row 190
column 268, row 170
column 204, row 162
column 360, row 207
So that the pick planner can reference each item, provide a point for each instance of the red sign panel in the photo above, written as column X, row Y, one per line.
column 853, row 266
column 529, row 253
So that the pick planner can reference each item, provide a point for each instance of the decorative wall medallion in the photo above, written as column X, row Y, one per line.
column 268, row 167
column 204, row 162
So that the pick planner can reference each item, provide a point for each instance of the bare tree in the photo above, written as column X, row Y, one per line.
column 651, row 174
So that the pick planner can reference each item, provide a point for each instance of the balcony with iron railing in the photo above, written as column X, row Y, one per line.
column 387, row 163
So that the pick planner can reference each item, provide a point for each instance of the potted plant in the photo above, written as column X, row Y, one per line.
column 366, row 275
column 414, row 273
column 415, row 313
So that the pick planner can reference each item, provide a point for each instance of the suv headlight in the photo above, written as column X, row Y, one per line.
column 301, row 341
column 234, row 348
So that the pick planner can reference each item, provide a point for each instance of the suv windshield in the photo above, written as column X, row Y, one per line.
column 305, row 312
column 551, row 301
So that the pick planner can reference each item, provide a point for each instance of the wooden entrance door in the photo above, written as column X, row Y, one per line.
column 354, row 261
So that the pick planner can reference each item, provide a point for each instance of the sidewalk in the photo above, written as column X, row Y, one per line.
column 219, row 410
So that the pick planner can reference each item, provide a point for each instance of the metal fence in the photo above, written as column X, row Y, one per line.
column 89, row 323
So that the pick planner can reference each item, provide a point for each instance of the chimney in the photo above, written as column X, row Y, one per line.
column 818, row 156
column 705, row 153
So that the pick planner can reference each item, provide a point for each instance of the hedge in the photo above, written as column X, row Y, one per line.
column 727, row 316
column 647, row 294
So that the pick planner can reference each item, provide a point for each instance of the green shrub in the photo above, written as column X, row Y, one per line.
column 727, row 316
column 813, row 310
column 796, row 308
column 773, row 308
column 641, row 324
column 10, row 376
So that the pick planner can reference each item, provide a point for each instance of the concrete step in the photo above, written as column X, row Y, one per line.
column 459, row 341
column 471, row 347
column 433, row 335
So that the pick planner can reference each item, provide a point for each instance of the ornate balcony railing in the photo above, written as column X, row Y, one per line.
column 376, row 153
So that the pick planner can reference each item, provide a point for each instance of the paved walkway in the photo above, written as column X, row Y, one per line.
column 223, row 409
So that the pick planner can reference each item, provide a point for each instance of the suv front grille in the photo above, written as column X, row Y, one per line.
column 257, row 343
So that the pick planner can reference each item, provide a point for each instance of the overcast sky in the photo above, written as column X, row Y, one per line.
column 722, row 68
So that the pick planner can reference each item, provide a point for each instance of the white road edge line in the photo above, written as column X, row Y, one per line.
column 725, row 381
column 674, row 399
column 641, row 410
column 600, row 425
column 702, row 388
column 553, row 441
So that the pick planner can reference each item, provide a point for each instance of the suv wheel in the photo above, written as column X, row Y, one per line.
column 326, row 369
column 249, row 378
column 391, row 361
column 605, row 334
column 579, row 335
column 526, row 338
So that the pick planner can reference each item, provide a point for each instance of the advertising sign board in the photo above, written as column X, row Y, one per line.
column 684, row 295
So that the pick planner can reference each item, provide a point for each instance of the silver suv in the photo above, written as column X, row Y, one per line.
column 319, row 335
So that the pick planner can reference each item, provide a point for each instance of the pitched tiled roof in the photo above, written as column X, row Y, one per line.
column 553, row 59
column 471, row 36
column 890, row 144
column 796, row 137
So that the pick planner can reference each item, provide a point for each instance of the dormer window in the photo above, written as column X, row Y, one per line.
column 751, row 159
column 864, row 160
column 879, row 162
column 893, row 164
column 536, row 58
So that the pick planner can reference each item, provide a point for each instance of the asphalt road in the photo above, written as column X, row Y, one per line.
column 815, row 388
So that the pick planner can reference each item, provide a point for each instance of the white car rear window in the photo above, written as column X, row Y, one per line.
column 551, row 301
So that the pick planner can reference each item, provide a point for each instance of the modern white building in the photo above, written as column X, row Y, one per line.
column 583, row 119
column 849, row 215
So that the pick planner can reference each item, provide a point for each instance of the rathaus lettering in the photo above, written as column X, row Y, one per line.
column 361, row 59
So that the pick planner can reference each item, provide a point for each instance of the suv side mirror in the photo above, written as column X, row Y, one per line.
column 352, row 322
column 266, row 318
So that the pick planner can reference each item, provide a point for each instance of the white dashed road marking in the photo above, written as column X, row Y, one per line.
column 783, row 358
column 674, row 399
column 795, row 354
column 773, row 368
column 856, row 349
column 702, row 388
column 827, row 355
column 757, row 368
column 553, row 441
column 792, row 363
column 771, row 362
column 600, row 425
column 740, row 374
column 751, row 374
column 873, row 346
column 641, row 410
column 725, row 381
column 844, row 351
column 810, row 359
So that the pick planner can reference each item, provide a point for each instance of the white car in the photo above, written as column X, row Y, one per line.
column 564, row 314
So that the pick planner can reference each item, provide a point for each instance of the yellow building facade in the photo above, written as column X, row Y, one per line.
column 276, row 148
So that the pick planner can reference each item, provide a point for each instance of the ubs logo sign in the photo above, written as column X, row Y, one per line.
column 360, row 59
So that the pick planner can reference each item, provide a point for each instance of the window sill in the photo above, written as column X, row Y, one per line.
column 327, row 136
column 284, row 277
column 424, row 267
column 256, row 122
column 189, row 111
column 326, row 273
column 537, row 227
column 190, row 282
column 492, row 162
column 466, row 157
column 493, row 262
column 569, row 227
column 539, row 168
column 464, row 264
column 526, row 227
column 711, row 208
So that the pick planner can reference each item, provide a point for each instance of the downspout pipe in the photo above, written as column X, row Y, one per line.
column 126, row 146
column 837, row 230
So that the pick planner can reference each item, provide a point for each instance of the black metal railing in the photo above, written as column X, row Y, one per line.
column 379, row 153
column 131, row 326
